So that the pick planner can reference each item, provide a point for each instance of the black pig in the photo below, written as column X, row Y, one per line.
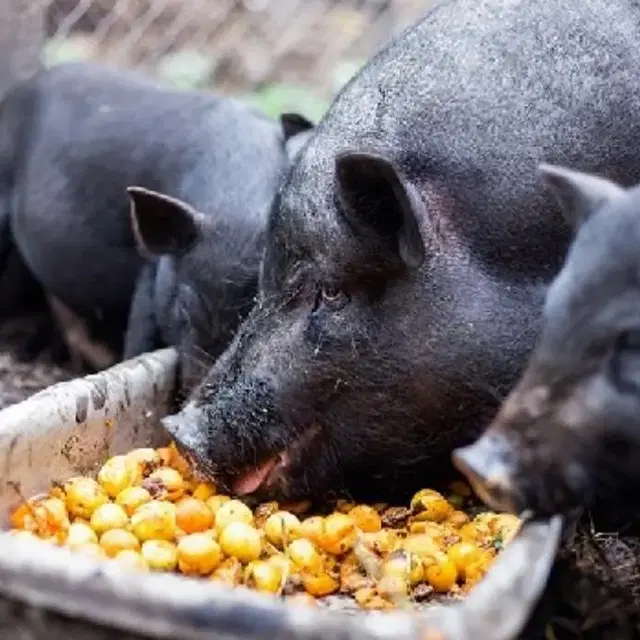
column 76, row 136
column 410, row 246
column 570, row 430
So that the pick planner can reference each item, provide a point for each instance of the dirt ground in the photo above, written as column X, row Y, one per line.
column 19, row 378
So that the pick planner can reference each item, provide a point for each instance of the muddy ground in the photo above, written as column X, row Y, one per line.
column 19, row 377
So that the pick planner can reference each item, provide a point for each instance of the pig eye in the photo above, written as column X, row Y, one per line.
column 625, row 363
column 333, row 298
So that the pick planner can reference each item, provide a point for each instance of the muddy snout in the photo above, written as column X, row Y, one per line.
column 489, row 465
column 184, row 428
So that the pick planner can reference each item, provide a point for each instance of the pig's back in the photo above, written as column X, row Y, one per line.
column 96, row 131
column 471, row 99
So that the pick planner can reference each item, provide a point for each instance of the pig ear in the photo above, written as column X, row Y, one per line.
column 161, row 224
column 374, row 198
column 293, row 124
column 579, row 194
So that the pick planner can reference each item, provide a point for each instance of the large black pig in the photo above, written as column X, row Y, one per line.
column 409, row 248
column 73, row 138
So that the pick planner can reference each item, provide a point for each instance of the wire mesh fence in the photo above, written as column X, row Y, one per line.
column 282, row 50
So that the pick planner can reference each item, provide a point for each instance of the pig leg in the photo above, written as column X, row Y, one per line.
column 82, row 349
column 142, row 330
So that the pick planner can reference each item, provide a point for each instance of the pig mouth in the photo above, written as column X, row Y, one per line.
column 276, row 468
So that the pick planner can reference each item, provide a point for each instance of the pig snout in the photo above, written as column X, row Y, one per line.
column 185, row 429
column 180, row 426
column 489, row 465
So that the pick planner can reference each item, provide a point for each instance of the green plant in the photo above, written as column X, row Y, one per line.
column 277, row 98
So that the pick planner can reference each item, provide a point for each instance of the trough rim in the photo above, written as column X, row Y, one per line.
column 172, row 606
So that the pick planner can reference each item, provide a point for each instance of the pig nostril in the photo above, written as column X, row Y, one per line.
column 492, row 486
column 465, row 460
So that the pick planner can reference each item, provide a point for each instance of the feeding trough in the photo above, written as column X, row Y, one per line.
column 72, row 427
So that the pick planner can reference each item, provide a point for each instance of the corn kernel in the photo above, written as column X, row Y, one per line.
column 283, row 564
column 430, row 505
column 312, row 528
column 457, row 519
column 405, row 565
column 463, row 554
column 117, row 474
column 108, row 516
column 178, row 462
column 131, row 498
column 132, row 560
column 474, row 531
column 84, row 496
column 319, row 584
column 160, row 555
column 154, row 520
column 23, row 517
column 193, row 515
column 442, row 574
column 423, row 545
column 229, row 572
column 263, row 511
column 198, row 554
column 263, row 576
column 352, row 576
column 51, row 517
column 203, row 491
column 232, row 511
column 166, row 454
column 304, row 555
column 79, row 534
column 364, row 595
column 380, row 542
column 116, row 540
column 366, row 518
column 242, row 541
column 474, row 572
column 168, row 484
column 339, row 534
column 146, row 459
column 392, row 586
column 215, row 502
column 505, row 526
column 281, row 528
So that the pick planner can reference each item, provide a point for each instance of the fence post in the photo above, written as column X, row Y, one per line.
column 21, row 40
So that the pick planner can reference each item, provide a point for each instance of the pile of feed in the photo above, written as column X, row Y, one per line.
column 146, row 511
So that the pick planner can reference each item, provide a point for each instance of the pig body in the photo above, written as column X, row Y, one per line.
column 80, row 135
column 570, row 430
column 408, row 251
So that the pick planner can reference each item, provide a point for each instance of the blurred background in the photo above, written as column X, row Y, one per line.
column 278, row 54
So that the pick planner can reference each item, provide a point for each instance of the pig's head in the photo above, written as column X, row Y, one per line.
column 206, row 275
column 571, row 427
column 353, row 368
column 207, row 264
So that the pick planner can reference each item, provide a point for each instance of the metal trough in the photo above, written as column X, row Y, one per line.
column 49, row 592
